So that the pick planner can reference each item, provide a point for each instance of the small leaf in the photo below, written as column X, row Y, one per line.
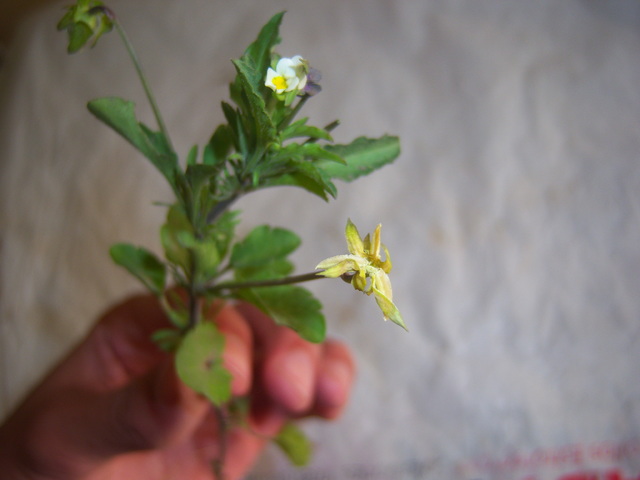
column 262, row 245
column 238, row 135
column 223, row 229
column 167, row 339
column 204, row 255
column 142, row 264
column 192, row 156
column 257, row 115
column 309, row 150
column 260, row 50
column 120, row 115
column 292, row 306
column 305, row 175
column 199, row 363
column 277, row 268
column 219, row 146
column 294, row 444
column 362, row 156
column 84, row 21
column 300, row 129
column 170, row 233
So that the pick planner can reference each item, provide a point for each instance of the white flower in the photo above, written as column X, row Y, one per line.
column 290, row 74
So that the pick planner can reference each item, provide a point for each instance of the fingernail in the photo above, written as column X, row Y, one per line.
column 237, row 362
column 295, row 378
column 334, row 384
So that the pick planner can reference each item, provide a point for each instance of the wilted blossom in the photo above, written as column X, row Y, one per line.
column 365, row 270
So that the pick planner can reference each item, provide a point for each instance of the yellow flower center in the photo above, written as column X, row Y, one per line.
column 280, row 83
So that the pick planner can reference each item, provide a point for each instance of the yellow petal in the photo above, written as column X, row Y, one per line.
column 334, row 267
column 386, row 265
column 389, row 310
column 354, row 241
column 375, row 250
column 381, row 286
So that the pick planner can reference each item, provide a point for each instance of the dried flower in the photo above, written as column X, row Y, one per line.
column 365, row 270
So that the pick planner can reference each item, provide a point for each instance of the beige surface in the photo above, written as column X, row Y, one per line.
column 512, row 215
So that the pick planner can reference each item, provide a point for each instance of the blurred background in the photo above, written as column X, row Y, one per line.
column 512, row 215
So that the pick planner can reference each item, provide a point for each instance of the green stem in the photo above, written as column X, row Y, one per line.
column 266, row 283
column 223, row 433
column 143, row 80
column 287, row 120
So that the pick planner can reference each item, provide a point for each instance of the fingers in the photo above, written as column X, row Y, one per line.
column 334, row 378
column 118, row 349
column 238, row 348
column 294, row 377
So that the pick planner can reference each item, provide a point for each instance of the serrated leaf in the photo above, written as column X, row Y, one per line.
column 291, row 306
column 141, row 263
column 305, row 175
column 120, row 115
column 199, row 363
column 362, row 156
column 277, row 268
column 301, row 129
column 256, row 117
column 309, row 151
column 260, row 50
column 298, row 180
column 294, row 444
column 262, row 245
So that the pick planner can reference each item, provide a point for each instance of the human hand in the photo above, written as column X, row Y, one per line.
column 115, row 409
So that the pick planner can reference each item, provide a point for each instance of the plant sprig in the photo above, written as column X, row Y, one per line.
column 261, row 145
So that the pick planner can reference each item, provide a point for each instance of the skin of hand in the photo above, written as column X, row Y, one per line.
column 115, row 408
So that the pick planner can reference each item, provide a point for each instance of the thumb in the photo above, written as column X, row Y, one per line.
column 155, row 411
column 72, row 431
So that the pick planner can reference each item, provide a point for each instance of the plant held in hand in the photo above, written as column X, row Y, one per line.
column 261, row 145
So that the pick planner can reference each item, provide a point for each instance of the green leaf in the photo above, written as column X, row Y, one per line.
column 292, row 306
column 294, row 444
column 277, row 268
column 167, row 339
column 260, row 50
column 199, row 174
column 79, row 35
column 362, row 156
column 192, row 156
column 219, row 146
column 120, row 115
column 262, row 245
column 176, row 225
column 305, row 175
column 257, row 117
column 199, row 363
column 84, row 22
column 300, row 129
column 203, row 253
column 223, row 229
column 236, row 128
column 309, row 150
column 142, row 264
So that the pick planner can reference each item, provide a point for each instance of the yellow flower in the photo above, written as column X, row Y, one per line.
column 365, row 270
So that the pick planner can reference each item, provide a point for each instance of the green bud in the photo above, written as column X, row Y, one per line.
column 85, row 22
